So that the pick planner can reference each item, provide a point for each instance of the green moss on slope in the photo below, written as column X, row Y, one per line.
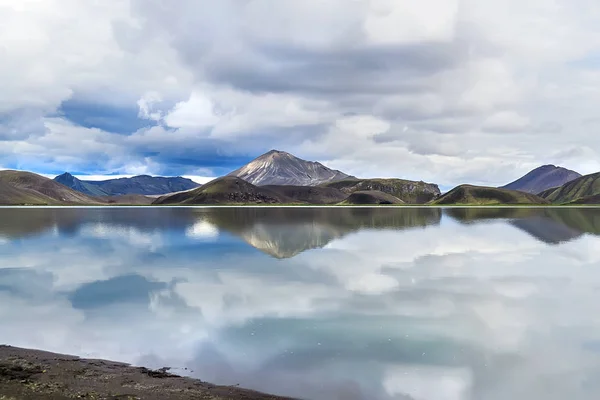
column 410, row 192
column 586, row 186
column 481, row 195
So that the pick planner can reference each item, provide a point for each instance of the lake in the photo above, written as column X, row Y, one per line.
column 317, row 303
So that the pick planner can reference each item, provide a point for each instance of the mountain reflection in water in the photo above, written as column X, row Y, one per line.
column 317, row 303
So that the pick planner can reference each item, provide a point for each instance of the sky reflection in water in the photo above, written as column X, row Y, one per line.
column 347, row 303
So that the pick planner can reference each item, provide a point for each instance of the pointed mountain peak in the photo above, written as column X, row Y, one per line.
column 278, row 167
column 276, row 153
column 66, row 179
column 548, row 167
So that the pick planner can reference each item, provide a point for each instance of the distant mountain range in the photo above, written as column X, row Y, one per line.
column 278, row 177
column 142, row 185
column 281, row 168
column 27, row 188
column 543, row 178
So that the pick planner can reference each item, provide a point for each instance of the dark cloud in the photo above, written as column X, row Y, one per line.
column 21, row 124
column 107, row 117
column 358, row 71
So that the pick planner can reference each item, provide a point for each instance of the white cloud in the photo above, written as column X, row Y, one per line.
column 392, row 22
column 506, row 121
column 146, row 105
column 197, row 112
column 287, row 74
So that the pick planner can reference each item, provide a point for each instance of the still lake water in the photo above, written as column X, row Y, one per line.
column 345, row 303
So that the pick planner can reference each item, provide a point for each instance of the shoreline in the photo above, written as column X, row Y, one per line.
column 27, row 374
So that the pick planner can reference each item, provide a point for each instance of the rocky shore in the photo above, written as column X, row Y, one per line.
column 32, row 374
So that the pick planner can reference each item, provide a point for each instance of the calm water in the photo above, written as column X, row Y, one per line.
column 377, row 304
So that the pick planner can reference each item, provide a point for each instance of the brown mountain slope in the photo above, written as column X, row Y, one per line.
column 21, row 187
column 10, row 195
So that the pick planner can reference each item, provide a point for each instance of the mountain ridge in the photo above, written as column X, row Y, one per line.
column 139, row 185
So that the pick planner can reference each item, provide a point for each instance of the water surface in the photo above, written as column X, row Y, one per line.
column 345, row 303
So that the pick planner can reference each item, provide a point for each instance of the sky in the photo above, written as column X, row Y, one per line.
column 445, row 91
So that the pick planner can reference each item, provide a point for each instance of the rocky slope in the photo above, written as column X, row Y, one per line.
column 141, row 185
column 542, row 178
column 226, row 190
column 33, row 375
column 410, row 192
column 480, row 195
column 281, row 168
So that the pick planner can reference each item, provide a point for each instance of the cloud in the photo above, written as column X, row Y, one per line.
column 506, row 122
column 170, row 89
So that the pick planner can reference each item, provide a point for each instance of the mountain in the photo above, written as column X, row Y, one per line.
column 81, row 186
column 481, row 195
column 281, row 168
column 142, row 185
column 226, row 190
column 542, row 178
column 410, row 192
column 581, row 190
column 20, row 187
column 371, row 197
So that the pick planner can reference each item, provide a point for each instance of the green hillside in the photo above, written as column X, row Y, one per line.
column 585, row 187
column 481, row 195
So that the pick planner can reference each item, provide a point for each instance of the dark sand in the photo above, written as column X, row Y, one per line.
column 32, row 374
